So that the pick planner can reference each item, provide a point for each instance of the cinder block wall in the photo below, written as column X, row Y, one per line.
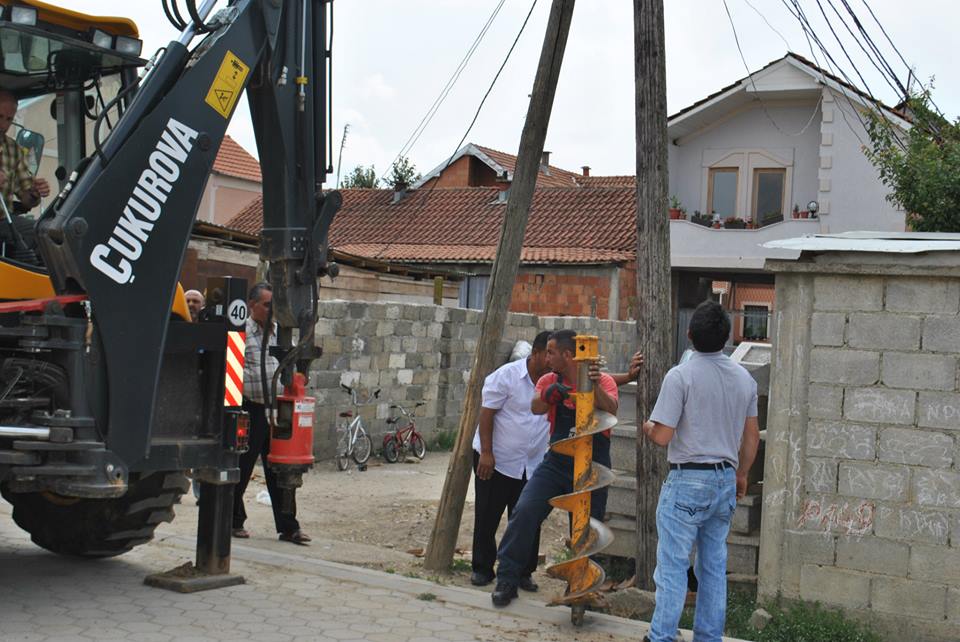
column 423, row 353
column 862, row 481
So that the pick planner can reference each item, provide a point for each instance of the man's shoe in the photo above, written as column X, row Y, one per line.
column 503, row 594
column 241, row 533
column 296, row 537
column 479, row 578
column 527, row 584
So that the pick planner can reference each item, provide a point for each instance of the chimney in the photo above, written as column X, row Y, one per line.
column 545, row 163
column 503, row 196
column 399, row 195
column 586, row 170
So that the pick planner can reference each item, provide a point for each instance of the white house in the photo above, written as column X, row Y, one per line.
column 786, row 135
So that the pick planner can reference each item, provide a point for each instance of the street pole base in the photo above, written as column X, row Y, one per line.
column 577, row 611
column 189, row 579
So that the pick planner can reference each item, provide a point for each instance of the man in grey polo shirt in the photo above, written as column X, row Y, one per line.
column 706, row 415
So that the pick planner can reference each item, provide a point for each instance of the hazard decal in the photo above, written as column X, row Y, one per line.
column 227, row 85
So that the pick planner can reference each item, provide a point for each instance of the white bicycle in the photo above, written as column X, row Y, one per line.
column 353, row 442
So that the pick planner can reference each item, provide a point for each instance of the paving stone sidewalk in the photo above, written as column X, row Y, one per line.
column 288, row 596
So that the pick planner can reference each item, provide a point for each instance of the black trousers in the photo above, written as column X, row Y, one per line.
column 491, row 496
column 260, row 448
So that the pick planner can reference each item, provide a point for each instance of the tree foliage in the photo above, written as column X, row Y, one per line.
column 921, row 166
column 360, row 177
column 402, row 175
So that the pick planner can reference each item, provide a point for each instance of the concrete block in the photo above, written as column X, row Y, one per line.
column 418, row 329
column 623, row 448
column 935, row 564
column 873, row 554
column 849, row 367
column 385, row 329
column 919, row 371
column 405, row 376
column 941, row 334
column 824, row 402
column 746, row 517
column 397, row 360
column 918, row 447
column 908, row 597
column 841, row 440
column 392, row 312
column 743, row 554
column 871, row 481
column 833, row 586
column 953, row 605
column 847, row 293
column 622, row 497
column 403, row 328
column 912, row 524
column 883, row 331
column 357, row 310
column 815, row 548
column 376, row 311
column 939, row 410
column 925, row 295
column 820, row 476
column 410, row 312
column 333, row 309
column 879, row 405
column 828, row 328
column 933, row 487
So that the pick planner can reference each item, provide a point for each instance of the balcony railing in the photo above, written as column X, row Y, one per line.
column 696, row 246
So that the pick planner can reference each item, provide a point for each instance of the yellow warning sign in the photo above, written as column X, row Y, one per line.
column 227, row 84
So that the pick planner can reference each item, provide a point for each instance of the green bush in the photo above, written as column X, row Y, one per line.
column 443, row 441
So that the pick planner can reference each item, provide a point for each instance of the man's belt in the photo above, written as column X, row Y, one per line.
column 720, row 465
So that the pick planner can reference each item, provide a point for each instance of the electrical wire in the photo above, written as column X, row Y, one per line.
column 772, row 28
column 447, row 88
column 763, row 105
column 425, row 197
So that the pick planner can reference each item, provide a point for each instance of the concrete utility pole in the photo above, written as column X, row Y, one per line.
column 443, row 539
column 654, row 321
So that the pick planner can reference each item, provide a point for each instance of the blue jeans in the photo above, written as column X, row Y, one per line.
column 695, row 507
column 554, row 476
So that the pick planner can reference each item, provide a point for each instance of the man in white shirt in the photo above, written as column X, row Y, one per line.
column 509, row 444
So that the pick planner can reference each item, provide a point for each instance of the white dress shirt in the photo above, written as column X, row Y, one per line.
column 520, row 438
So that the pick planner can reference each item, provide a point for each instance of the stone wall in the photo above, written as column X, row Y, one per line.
column 861, row 506
column 423, row 353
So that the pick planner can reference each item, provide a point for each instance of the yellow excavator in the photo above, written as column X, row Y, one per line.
column 108, row 392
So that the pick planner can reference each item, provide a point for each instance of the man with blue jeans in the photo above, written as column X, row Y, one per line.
column 706, row 415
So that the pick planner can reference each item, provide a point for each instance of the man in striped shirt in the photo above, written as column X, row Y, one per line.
column 16, row 180
column 255, row 403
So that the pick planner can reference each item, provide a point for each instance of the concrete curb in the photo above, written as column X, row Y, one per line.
column 522, row 607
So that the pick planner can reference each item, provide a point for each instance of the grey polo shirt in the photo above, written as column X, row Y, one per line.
column 707, row 400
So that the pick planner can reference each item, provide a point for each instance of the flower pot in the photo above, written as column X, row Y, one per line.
column 805, row 214
column 675, row 214
column 716, row 225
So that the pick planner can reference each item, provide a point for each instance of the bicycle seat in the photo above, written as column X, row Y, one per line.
column 392, row 420
column 345, row 414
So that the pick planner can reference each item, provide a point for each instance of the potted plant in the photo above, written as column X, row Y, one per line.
column 796, row 211
column 683, row 213
column 700, row 219
column 675, row 210
column 734, row 223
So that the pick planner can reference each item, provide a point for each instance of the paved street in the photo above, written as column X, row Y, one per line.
column 287, row 597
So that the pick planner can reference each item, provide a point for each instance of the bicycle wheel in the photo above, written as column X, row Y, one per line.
column 390, row 451
column 362, row 448
column 417, row 446
column 343, row 446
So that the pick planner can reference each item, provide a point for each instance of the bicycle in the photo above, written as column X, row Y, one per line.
column 352, row 439
column 403, row 438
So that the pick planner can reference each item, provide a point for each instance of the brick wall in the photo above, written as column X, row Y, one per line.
column 575, row 291
column 421, row 353
column 862, row 477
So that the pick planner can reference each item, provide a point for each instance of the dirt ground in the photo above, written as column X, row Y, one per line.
column 372, row 518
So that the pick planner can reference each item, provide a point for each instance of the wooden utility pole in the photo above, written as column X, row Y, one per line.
column 654, row 326
column 443, row 539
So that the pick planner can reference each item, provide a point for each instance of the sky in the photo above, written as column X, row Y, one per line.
column 392, row 59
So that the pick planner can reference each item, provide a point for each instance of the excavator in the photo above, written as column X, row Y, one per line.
column 109, row 392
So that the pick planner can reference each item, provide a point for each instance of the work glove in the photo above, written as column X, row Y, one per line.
column 556, row 393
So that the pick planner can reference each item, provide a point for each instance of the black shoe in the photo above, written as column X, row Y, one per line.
column 479, row 578
column 503, row 594
column 527, row 584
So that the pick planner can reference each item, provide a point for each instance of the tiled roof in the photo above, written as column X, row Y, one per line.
column 556, row 178
column 607, row 181
column 234, row 160
column 566, row 225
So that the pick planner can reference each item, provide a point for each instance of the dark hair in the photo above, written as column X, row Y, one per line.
column 257, row 291
column 565, row 340
column 540, row 341
column 709, row 327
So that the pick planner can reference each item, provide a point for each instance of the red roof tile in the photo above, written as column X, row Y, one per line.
column 234, row 160
column 566, row 225
column 556, row 178
column 607, row 181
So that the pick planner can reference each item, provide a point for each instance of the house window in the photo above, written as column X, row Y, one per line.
column 755, row 318
column 722, row 191
column 768, row 190
column 473, row 291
